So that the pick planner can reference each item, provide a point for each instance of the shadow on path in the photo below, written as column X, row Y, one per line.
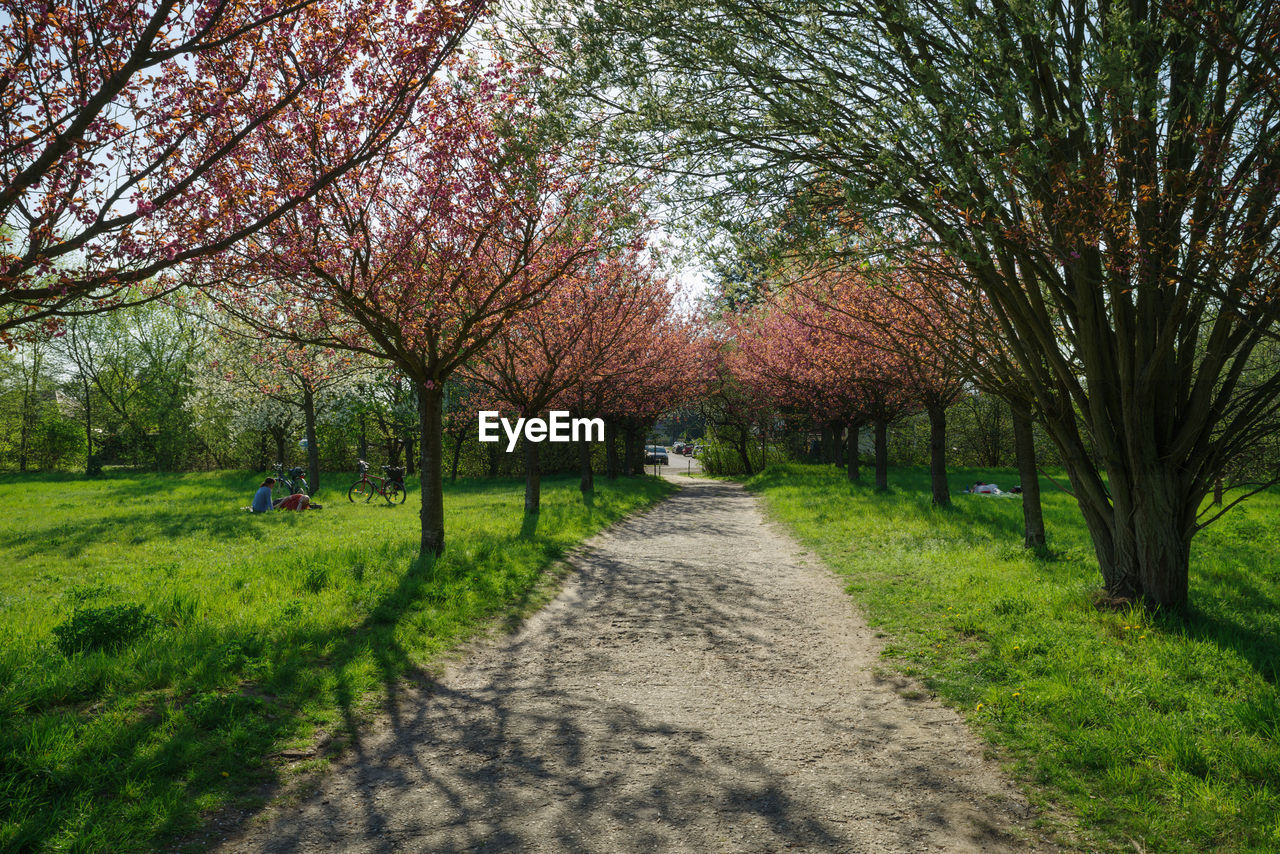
column 697, row 687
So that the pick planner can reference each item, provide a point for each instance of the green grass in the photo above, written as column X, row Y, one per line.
column 1158, row 730
column 270, row 628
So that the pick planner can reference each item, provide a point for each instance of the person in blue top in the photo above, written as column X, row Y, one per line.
column 262, row 498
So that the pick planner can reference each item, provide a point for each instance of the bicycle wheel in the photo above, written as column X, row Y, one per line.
column 361, row 490
column 395, row 493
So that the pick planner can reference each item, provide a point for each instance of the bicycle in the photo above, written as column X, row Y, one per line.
column 295, row 482
column 390, row 486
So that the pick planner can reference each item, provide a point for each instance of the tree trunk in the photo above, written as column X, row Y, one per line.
column 638, row 437
column 828, row 444
column 532, row 477
column 938, row 455
column 1217, row 491
column 1025, row 448
column 837, row 444
column 408, row 454
column 280, row 438
column 88, row 432
column 631, row 463
column 588, row 483
column 882, row 455
column 430, row 467
column 611, row 449
column 457, row 454
column 854, row 471
column 1143, row 540
column 24, row 427
column 313, row 450
column 743, row 450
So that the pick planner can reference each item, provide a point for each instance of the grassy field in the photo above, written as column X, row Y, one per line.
column 1161, row 731
column 255, row 634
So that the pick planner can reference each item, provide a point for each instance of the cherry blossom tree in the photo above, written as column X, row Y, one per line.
column 115, row 118
column 804, row 369
column 420, row 257
column 593, row 330
column 902, row 336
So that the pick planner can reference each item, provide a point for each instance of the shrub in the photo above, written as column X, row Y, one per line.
column 108, row 627
column 56, row 439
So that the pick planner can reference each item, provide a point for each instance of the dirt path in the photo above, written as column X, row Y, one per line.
column 699, row 686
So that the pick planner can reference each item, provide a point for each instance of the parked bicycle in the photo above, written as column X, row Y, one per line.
column 390, row 486
column 294, row 483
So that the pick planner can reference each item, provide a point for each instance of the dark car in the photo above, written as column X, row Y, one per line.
column 655, row 454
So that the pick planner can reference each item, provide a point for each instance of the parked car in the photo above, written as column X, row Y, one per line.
column 655, row 454
column 680, row 447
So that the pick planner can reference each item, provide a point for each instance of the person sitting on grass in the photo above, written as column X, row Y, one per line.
column 262, row 502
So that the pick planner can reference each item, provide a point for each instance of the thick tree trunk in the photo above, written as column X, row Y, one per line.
column 611, row 449
column 457, row 454
column 855, row 472
column 882, row 454
column 584, row 463
column 938, row 455
column 313, row 450
column 409, row 465
column 1151, row 523
column 828, row 444
column 532, row 477
column 837, row 444
column 1025, row 448
column 430, row 468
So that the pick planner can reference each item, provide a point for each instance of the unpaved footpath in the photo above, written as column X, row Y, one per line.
column 699, row 686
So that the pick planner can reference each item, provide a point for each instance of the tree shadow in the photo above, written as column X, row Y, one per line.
column 1237, row 613
column 516, row 755
column 220, row 699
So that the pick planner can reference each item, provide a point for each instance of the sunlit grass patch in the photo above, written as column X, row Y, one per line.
column 258, row 632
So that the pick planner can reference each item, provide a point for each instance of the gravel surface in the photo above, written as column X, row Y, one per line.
column 698, row 686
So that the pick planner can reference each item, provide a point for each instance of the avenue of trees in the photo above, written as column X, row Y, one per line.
column 363, row 213
column 1062, row 212
column 1100, row 179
